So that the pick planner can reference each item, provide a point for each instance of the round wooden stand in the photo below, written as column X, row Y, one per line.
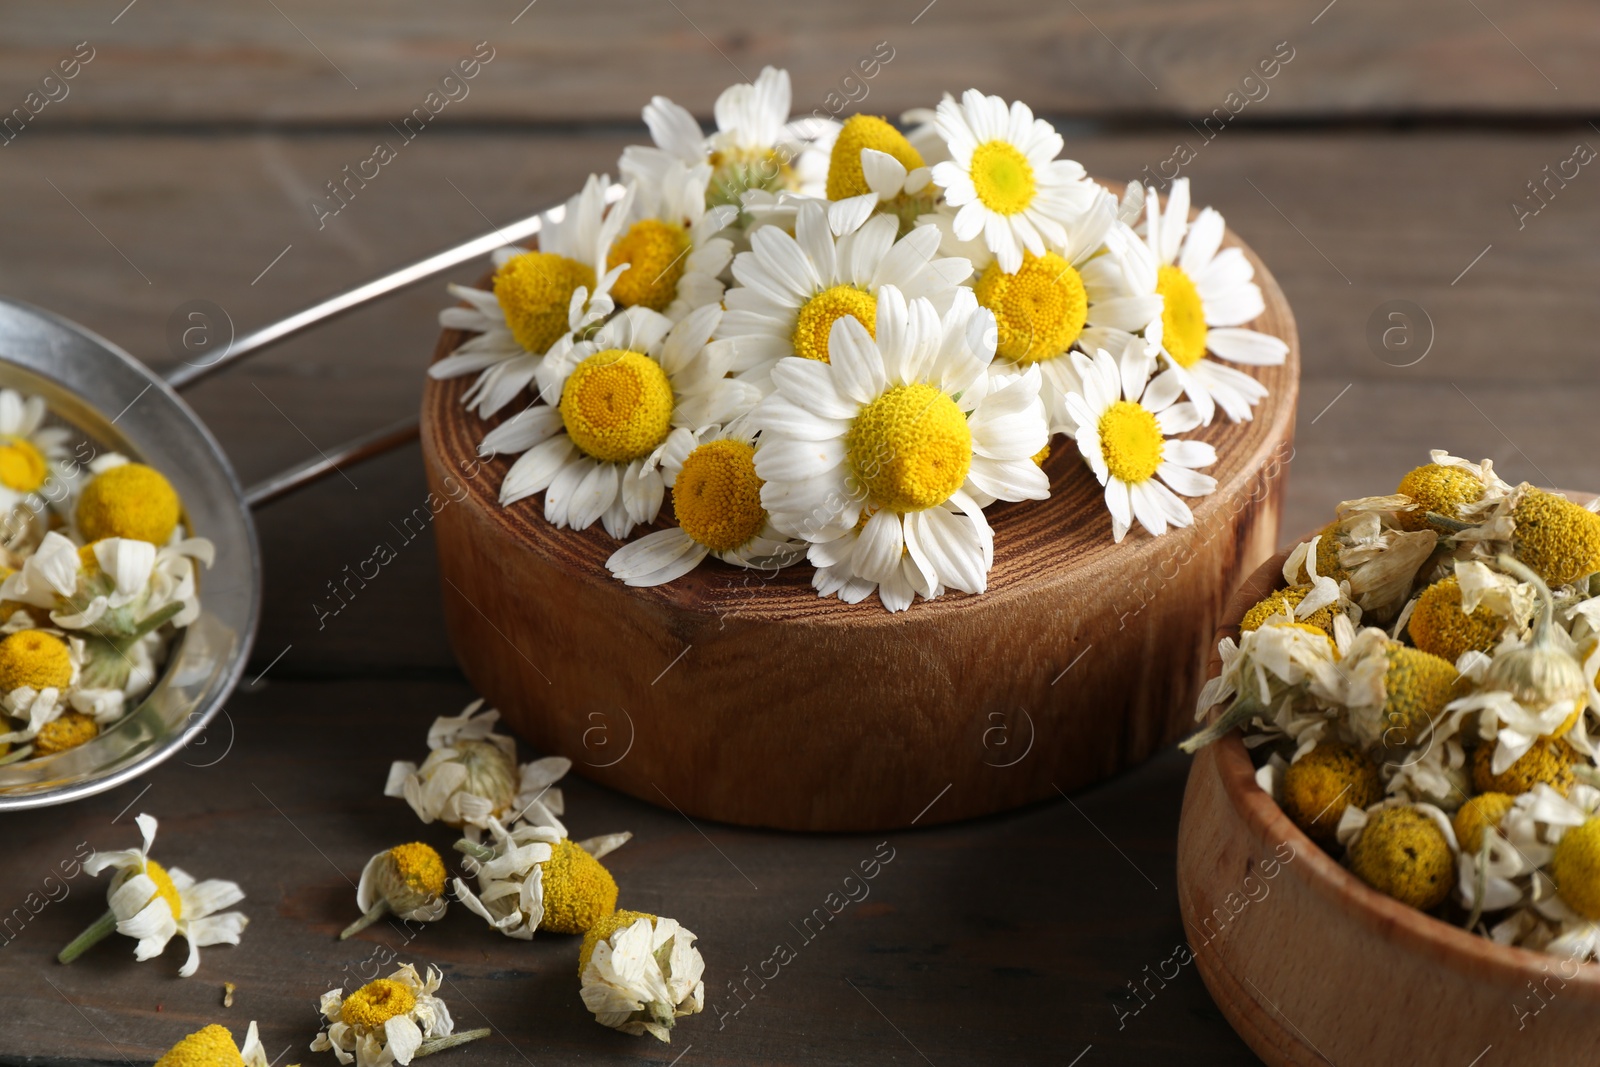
column 743, row 697
column 1312, row 967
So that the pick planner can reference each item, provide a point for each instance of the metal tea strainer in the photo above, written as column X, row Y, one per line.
column 121, row 404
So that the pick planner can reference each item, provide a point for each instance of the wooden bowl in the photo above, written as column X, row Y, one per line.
column 743, row 697
column 1311, row 966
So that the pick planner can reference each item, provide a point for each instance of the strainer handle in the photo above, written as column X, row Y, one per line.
column 187, row 373
column 352, row 452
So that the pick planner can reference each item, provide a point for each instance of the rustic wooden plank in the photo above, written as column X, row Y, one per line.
column 561, row 61
column 961, row 938
column 1400, row 216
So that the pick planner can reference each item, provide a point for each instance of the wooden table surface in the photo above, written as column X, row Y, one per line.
column 1384, row 163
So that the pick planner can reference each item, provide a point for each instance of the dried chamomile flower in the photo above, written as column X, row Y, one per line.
column 1438, row 489
column 1557, row 842
column 1317, row 787
column 389, row 1020
column 533, row 877
column 1405, row 851
column 1558, row 539
column 1479, row 814
column 212, row 1046
column 1393, row 692
column 153, row 903
column 1439, row 625
column 1287, row 602
column 1378, row 559
column 129, row 500
column 117, row 589
column 1549, row 761
column 1262, row 675
column 641, row 973
column 471, row 776
column 406, row 881
column 36, row 669
column 72, row 729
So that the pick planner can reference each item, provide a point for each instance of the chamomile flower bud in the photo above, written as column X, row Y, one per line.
column 153, row 903
column 535, row 878
column 471, row 776
column 1318, row 787
column 640, row 973
column 129, row 500
column 212, row 1046
column 389, row 1020
column 1550, row 761
column 406, row 881
column 1406, row 852
column 1438, row 489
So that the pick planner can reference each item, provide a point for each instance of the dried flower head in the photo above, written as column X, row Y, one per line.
column 389, row 1020
column 1406, row 852
column 533, row 877
column 406, row 881
column 640, row 973
column 1318, row 786
column 212, row 1046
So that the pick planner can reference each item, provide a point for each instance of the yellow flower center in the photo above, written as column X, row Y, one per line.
column 817, row 316
column 1438, row 624
column 34, row 658
column 1322, row 783
column 1557, row 538
column 210, row 1047
column 1040, row 310
column 1575, row 868
column 717, row 496
column 1003, row 177
column 617, row 405
column 578, row 890
column 376, row 1003
column 22, row 466
column 534, row 290
column 1438, row 489
column 131, row 501
column 164, row 887
column 1417, row 686
column 420, row 867
column 69, row 731
column 1403, row 853
column 657, row 253
column 1183, row 320
column 1482, row 812
column 1130, row 441
column 865, row 131
column 911, row 448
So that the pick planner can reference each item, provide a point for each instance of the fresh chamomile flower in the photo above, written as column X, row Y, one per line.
column 641, row 973
column 389, row 1020
column 592, row 446
column 536, row 878
column 1125, row 423
column 30, row 452
column 884, row 457
column 1406, row 851
column 716, row 499
column 152, row 904
column 755, row 148
column 792, row 289
column 129, row 500
column 540, row 300
column 406, row 881
column 1207, row 297
column 1318, row 786
column 212, row 1046
column 1094, row 292
column 670, row 247
column 471, row 776
column 873, row 167
column 1004, row 180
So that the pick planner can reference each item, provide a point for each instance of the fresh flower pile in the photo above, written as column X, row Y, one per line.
column 841, row 343
column 97, row 575
column 1419, row 698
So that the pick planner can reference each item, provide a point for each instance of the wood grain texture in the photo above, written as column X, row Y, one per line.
column 562, row 62
column 749, row 699
column 955, row 941
column 1312, row 966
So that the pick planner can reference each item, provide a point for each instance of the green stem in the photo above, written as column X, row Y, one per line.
column 103, row 928
column 374, row 913
column 1242, row 711
column 153, row 621
column 439, row 1044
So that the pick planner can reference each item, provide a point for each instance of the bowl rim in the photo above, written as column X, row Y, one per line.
column 1406, row 926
